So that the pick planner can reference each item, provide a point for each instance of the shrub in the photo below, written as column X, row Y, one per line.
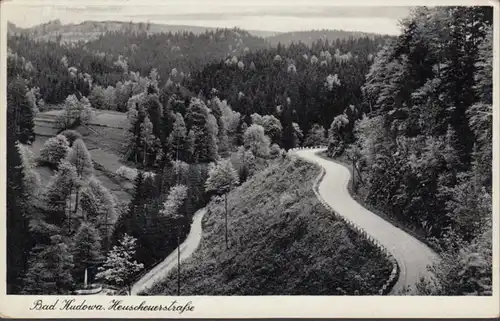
column 54, row 150
column 127, row 172
column 130, row 173
column 71, row 135
column 275, row 150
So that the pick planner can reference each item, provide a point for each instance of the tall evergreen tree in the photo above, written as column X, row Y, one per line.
column 178, row 138
column 18, row 235
column 19, row 112
column 99, row 207
column 58, row 196
column 49, row 269
column 85, row 249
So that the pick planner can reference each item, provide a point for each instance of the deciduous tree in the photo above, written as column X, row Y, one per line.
column 119, row 269
column 222, row 178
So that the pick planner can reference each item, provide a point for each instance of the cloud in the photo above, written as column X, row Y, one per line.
column 295, row 12
column 92, row 9
column 255, row 15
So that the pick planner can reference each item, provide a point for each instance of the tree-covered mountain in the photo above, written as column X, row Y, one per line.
column 311, row 36
column 90, row 30
column 59, row 69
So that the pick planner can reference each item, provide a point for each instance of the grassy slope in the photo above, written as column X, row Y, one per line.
column 282, row 242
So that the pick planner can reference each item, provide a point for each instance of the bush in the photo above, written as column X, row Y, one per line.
column 127, row 172
column 54, row 150
column 71, row 135
column 275, row 150
column 130, row 173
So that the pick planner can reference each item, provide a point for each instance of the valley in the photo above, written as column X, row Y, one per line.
column 149, row 159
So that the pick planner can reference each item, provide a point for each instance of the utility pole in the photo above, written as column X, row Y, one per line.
column 178, row 223
column 225, row 201
column 353, row 174
column 178, row 261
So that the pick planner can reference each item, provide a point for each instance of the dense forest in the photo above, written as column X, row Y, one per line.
column 425, row 146
column 413, row 113
column 310, row 85
column 60, row 69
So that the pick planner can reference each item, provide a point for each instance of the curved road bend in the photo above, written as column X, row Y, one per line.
column 159, row 272
column 412, row 256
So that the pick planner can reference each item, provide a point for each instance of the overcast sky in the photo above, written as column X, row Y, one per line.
column 268, row 15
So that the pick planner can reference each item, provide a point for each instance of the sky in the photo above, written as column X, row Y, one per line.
column 266, row 15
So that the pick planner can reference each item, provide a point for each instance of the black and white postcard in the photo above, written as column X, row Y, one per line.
column 187, row 159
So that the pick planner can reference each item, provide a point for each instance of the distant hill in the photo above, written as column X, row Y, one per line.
column 89, row 30
column 308, row 37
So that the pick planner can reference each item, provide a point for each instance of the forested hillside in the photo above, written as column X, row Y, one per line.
column 424, row 148
column 60, row 69
column 306, row 85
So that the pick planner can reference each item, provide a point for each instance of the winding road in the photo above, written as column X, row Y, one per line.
column 411, row 255
column 159, row 272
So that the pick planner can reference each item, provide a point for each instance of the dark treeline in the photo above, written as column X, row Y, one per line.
column 311, row 36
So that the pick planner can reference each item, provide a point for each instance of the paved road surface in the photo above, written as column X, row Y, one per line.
column 411, row 255
column 159, row 272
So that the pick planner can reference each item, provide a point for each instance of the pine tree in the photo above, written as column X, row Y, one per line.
column 147, row 140
column 178, row 138
column 297, row 135
column 18, row 235
column 57, row 198
column 127, row 222
column 155, row 114
column 85, row 249
column 222, row 178
column 192, row 157
column 172, row 211
column 31, row 178
column 203, row 129
column 99, row 207
column 49, row 269
column 19, row 112
column 289, row 138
